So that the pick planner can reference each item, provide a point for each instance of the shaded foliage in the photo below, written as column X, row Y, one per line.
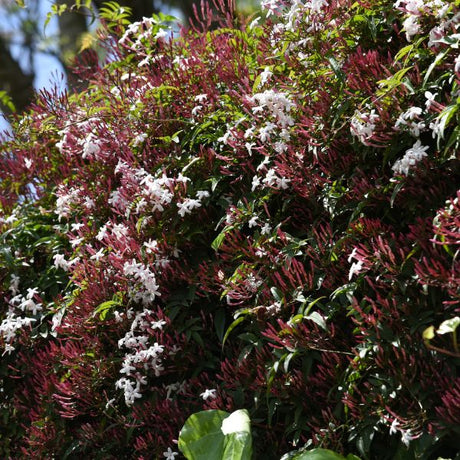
column 258, row 216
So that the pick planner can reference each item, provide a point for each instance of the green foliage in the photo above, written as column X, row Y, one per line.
column 217, row 435
column 6, row 101
column 317, row 454
column 268, row 211
column 115, row 15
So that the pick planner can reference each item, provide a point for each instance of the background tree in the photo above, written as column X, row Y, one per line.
column 23, row 33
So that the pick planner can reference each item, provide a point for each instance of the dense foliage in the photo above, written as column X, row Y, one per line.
column 260, row 217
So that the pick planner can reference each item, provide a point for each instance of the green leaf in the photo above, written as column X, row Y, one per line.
column 311, row 305
column 238, row 440
column 444, row 117
column 201, row 436
column 317, row 454
column 216, row 244
column 6, row 100
column 396, row 190
column 437, row 60
column 318, row 319
column 217, row 435
column 277, row 294
column 105, row 307
column 219, row 323
column 238, row 446
column 337, row 69
column 232, row 326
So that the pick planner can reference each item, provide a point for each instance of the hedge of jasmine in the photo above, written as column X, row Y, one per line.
column 254, row 216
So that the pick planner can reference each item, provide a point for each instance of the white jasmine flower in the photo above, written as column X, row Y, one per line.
column 394, row 426
column 157, row 324
column 249, row 146
column 183, row 179
column 200, row 98
column 61, row 262
column 249, row 132
column 14, row 284
column 363, row 125
column 436, row 127
column 316, row 5
column 76, row 226
column 151, row 246
column 187, row 206
column 412, row 112
column 282, row 182
column 162, row 33
column 225, row 138
column 139, row 139
column 209, row 394
column 57, row 319
column 98, row 255
column 265, row 76
column 202, row 194
column 270, row 177
column 255, row 182
column 170, row 454
column 270, row 5
column 412, row 156
column 266, row 229
column 254, row 23
column 196, row 109
column 406, row 437
column 253, row 221
column 411, row 26
column 91, row 146
column 355, row 269
column 429, row 99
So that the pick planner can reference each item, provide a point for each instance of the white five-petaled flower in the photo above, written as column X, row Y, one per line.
column 158, row 324
column 98, row 255
column 170, row 454
column 253, row 221
column 208, row 394
column 151, row 246
column 200, row 98
column 187, row 206
column 266, row 229
column 202, row 194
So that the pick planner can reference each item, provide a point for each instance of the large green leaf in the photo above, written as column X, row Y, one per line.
column 318, row 454
column 238, row 440
column 202, row 436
